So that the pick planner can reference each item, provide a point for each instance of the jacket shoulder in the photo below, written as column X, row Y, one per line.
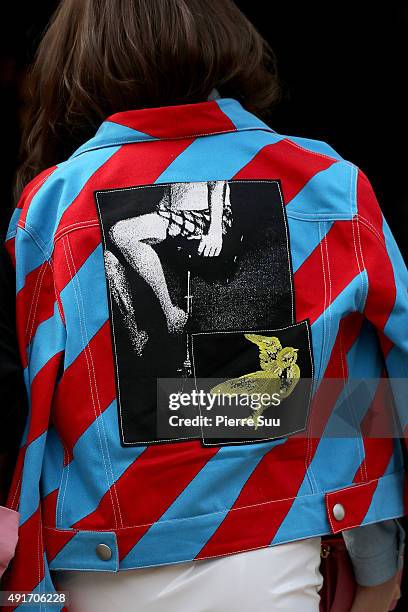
column 27, row 195
column 314, row 147
column 45, row 198
column 324, row 183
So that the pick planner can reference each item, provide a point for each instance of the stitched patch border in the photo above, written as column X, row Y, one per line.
column 116, row 206
column 302, row 328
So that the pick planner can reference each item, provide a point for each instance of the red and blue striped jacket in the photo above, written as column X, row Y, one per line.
column 318, row 262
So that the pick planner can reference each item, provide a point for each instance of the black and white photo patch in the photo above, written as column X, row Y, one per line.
column 186, row 264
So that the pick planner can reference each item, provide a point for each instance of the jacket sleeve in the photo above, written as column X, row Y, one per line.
column 376, row 551
column 41, row 336
column 386, row 304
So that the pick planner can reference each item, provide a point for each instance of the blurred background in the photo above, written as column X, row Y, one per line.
column 343, row 70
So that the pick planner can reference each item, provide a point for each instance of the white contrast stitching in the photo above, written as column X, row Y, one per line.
column 113, row 327
column 362, row 466
column 35, row 297
column 73, row 226
column 63, row 483
column 48, row 261
column 161, row 185
column 329, row 299
column 273, row 330
column 312, row 477
column 308, row 464
column 248, row 331
column 86, row 345
column 109, row 463
column 326, row 495
column 325, row 299
column 38, row 185
column 168, row 183
column 372, row 227
column 323, row 155
column 317, row 534
column 16, row 490
column 363, row 298
column 287, row 249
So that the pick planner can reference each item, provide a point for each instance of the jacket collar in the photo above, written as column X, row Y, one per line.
column 173, row 122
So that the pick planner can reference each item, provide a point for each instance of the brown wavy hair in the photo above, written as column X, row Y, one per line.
column 98, row 57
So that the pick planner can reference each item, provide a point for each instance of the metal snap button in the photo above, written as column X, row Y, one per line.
column 104, row 552
column 339, row 512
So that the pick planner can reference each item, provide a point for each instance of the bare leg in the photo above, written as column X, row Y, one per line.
column 133, row 236
column 121, row 293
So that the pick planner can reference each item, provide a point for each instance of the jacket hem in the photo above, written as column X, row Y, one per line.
column 226, row 532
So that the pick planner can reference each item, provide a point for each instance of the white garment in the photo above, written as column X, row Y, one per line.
column 282, row 578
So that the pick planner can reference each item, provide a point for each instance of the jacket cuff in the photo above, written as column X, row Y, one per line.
column 376, row 551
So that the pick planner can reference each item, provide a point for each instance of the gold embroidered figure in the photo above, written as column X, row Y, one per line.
column 279, row 373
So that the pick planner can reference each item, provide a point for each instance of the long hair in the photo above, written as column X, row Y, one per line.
column 98, row 57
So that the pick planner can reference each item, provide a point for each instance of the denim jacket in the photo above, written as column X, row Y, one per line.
column 298, row 274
